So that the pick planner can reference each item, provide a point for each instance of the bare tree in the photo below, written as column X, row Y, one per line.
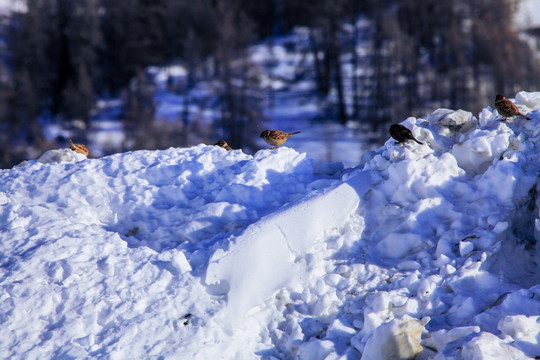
column 140, row 114
column 241, row 107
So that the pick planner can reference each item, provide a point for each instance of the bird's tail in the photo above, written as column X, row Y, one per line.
column 421, row 143
column 526, row 117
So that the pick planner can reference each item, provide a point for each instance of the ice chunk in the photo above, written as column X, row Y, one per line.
column 397, row 339
column 529, row 99
column 398, row 245
column 315, row 350
column 477, row 154
column 57, row 156
column 438, row 339
column 487, row 346
column 457, row 120
column 465, row 247
column 180, row 262
column 520, row 327
column 488, row 116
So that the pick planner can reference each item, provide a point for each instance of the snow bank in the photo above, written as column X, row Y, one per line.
column 282, row 238
column 422, row 250
column 95, row 253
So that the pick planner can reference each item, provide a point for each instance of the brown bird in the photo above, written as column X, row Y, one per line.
column 276, row 137
column 402, row 134
column 80, row 148
column 223, row 144
column 506, row 108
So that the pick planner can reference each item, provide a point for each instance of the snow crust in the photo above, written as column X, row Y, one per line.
column 428, row 251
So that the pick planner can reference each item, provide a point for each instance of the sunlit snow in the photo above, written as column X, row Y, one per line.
column 199, row 253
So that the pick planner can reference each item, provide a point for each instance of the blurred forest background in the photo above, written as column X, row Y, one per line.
column 75, row 63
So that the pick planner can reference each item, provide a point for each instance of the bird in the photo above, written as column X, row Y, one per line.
column 80, row 148
column 506, row 108
column 402, row 134
column 223, row 144
column 276, row 137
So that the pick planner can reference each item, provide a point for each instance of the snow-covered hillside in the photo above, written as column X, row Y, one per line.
column 201, row 253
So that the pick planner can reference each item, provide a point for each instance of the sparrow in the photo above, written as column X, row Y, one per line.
column 223, row 144
column 506, row 108
column 402, row 134
column 80, row 148
column 276, row 137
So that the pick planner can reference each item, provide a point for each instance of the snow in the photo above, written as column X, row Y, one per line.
column 397, row 339
column 420, row 250
column 284, row 238
column 525, row 17
column 10, row 6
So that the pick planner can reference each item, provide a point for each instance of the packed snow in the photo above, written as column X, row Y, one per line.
column 199, row 253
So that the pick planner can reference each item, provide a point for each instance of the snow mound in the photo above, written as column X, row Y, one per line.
column 57, row 156
column 94, row 245
column 422, row 250
column 283, row 237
